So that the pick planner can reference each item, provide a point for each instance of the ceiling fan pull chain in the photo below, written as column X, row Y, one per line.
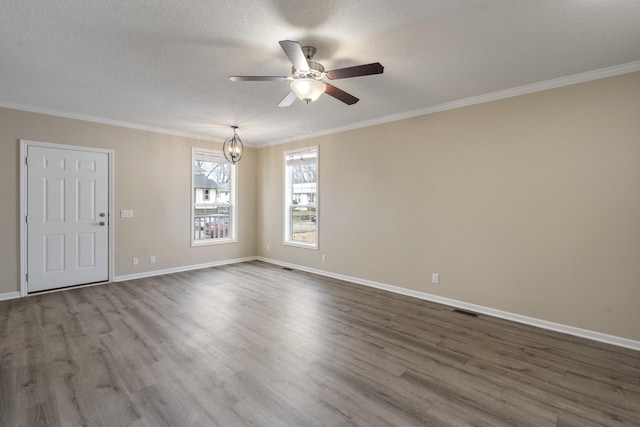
column 307, row 121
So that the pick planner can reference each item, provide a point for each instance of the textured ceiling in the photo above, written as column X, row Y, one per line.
column 165, row 65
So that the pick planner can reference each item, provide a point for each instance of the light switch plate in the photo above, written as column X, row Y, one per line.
column 126, row 213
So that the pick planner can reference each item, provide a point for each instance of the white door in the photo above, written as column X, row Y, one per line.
column 67, row 217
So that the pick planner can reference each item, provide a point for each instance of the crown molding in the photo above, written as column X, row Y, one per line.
column 103, row 121
column 465, row 102
column 601, row 73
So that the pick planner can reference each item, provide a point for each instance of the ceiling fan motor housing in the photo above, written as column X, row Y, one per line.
column 315, row 71
column 308, row 51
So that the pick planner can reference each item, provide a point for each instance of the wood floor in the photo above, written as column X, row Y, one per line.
column 255, row 344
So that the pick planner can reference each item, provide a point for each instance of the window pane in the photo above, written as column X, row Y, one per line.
column 303, row 224
column 212, row 198
column 301, row 170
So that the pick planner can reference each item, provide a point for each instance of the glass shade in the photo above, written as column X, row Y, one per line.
column 308, row 90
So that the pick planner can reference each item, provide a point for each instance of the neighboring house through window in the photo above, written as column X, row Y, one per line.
column 301, row 197
column 213, row 198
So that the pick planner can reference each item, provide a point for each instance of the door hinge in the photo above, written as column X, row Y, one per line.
column 26, row 277
column 26, row 219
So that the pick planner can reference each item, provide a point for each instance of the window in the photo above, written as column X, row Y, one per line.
column 301, row 197
column 213, row 198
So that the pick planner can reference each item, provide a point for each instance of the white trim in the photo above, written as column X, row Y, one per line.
column 543, row 324
column 105, row 121
column 601, row 73
column 181, row 269
column 216, row 156
column 24, row 143
column 112, row 214
column 13, row 295
column 302, row 245
column 286, row 218
column 9, row 295
column 22, row 219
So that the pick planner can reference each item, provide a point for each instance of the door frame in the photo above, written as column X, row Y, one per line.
column 24, row 144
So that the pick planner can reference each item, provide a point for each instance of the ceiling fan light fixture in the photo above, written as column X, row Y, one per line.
column 233, row 148
column 308, row 90
column 308, row 77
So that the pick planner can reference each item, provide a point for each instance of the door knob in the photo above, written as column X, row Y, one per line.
column 102, row 214
column 101, row 223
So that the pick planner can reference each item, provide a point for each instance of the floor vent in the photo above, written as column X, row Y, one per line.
column 466, row 313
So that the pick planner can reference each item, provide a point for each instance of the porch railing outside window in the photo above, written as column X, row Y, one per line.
column 215, row 226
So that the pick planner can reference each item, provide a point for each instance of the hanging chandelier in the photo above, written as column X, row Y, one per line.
column 233, row 148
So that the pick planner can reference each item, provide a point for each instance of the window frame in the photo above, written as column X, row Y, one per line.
column 287, row 197
column 217, row 156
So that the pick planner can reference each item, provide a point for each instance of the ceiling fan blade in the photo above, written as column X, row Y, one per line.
column 288, row 99
column 295, row 54
column 259, row 78
column 356, row 71
column 340, row 95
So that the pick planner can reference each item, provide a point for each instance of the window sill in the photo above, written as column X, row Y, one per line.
column 302, row 245
column 198, row 243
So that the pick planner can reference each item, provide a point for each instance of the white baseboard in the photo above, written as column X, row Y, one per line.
column 181, row 269
column 12, row 295
column 570, row 330
column 9, row 295
column 557, row 327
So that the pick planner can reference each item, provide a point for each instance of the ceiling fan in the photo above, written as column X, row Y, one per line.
column 309, row 80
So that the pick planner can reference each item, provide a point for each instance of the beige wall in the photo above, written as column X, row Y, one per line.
column 529, row 205
column 152, row 177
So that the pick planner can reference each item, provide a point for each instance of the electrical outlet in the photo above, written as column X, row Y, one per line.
column 268, row 247
column 435, row 278
column 126, row 213
column 324, row 257
column 135, row 261
column 152, row 259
